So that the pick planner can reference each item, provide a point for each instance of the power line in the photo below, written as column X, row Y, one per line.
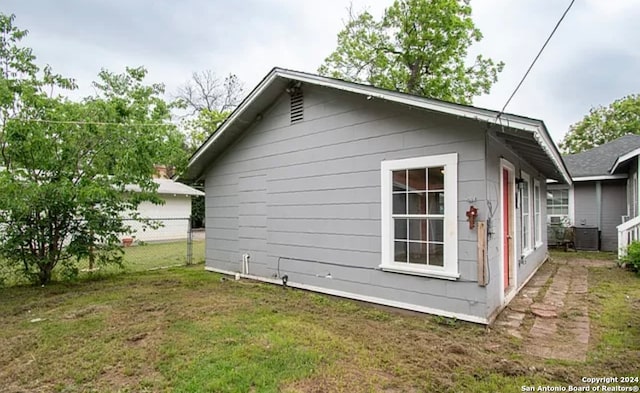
column 98, row 123
column 536, row 59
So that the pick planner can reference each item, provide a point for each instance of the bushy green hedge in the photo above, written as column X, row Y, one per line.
column 632, row 258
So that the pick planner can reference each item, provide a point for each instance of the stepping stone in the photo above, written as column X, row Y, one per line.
column 520, row 305
column 516, row 316
column 544, row 310
column 515, row 333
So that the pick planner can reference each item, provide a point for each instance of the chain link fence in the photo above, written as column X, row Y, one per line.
column 172, row 241
column 169, row 241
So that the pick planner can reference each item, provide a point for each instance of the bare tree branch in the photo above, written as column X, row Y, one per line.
column 206, row 91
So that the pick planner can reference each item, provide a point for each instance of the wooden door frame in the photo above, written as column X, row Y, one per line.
column 506, row 294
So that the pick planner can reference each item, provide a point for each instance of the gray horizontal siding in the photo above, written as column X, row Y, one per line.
column 585, row 204
column 325, row 225
column 369, row 211
column 614, row 206
column 312, row 191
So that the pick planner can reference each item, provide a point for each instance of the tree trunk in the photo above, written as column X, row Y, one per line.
column 412, row 83
column 44, row 275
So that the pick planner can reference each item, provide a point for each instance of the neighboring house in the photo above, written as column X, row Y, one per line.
column 603, row 195
column 364, row 193
column 173, row 216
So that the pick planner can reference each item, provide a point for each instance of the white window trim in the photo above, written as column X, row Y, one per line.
column 529, row 243
column 450, row 269
column 569, row 215
column 537, row 235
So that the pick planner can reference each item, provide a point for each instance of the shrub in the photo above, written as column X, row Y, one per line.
column 632, row 257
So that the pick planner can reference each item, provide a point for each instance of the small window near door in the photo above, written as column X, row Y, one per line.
column 537, row 227
column 557, row 205
column 526, row 213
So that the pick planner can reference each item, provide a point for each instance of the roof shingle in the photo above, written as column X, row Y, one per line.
column 599, row 160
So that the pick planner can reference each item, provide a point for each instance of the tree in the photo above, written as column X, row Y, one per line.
column 604, row 124
column 68, row 168
column 418, row 47
column 208, row 101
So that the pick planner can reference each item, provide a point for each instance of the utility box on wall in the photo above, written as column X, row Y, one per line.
column 587, row 238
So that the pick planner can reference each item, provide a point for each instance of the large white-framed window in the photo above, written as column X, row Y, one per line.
column 557, row 205
column 420, row 216
column 537, row 225
column 526, row 212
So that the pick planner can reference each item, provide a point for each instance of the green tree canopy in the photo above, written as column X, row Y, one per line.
column 418, row 47
column 68, row 168
column 604, row 124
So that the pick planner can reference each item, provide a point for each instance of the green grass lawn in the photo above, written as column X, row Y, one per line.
column 591, row 255
column 156, row 255
column 136, row 258
column 187, row 330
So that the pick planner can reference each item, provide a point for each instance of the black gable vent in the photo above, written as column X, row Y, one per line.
column 297, row 106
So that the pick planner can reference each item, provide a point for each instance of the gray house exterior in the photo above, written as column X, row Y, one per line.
column 365, row 193
column 604, row 191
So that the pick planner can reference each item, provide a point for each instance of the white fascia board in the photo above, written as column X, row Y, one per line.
column 534, row 126
column 235, row 115
column 601, row 177
column 437, row 106
column 624, row 158
column 544, row 139
column 355, row 296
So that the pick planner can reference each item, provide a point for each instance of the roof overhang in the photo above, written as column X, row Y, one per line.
column 533, row 144
column 537, row 145
column 601, row 177
column 623, row 159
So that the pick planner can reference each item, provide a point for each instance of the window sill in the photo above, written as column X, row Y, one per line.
column 538, row 245
column 420, row 272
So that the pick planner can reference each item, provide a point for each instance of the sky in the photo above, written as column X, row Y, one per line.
column 593, row 59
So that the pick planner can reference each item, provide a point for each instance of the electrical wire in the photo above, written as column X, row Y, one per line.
column 346, row 266
column 98, row 123
column 535, row 59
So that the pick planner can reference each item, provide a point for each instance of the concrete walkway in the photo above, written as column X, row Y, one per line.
column 551, row 313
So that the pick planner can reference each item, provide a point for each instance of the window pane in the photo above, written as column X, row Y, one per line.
column 525, row 231
column 399, row 180
column 436, row 203
column 525, row 197
column 417, row 180
column 436, row 178
column 417, row 203
column 436, row 254
column 436, row 230
column 400, row 228
column 399, row 203
column 400, row 252
column 418, row 253
column 418, row 229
